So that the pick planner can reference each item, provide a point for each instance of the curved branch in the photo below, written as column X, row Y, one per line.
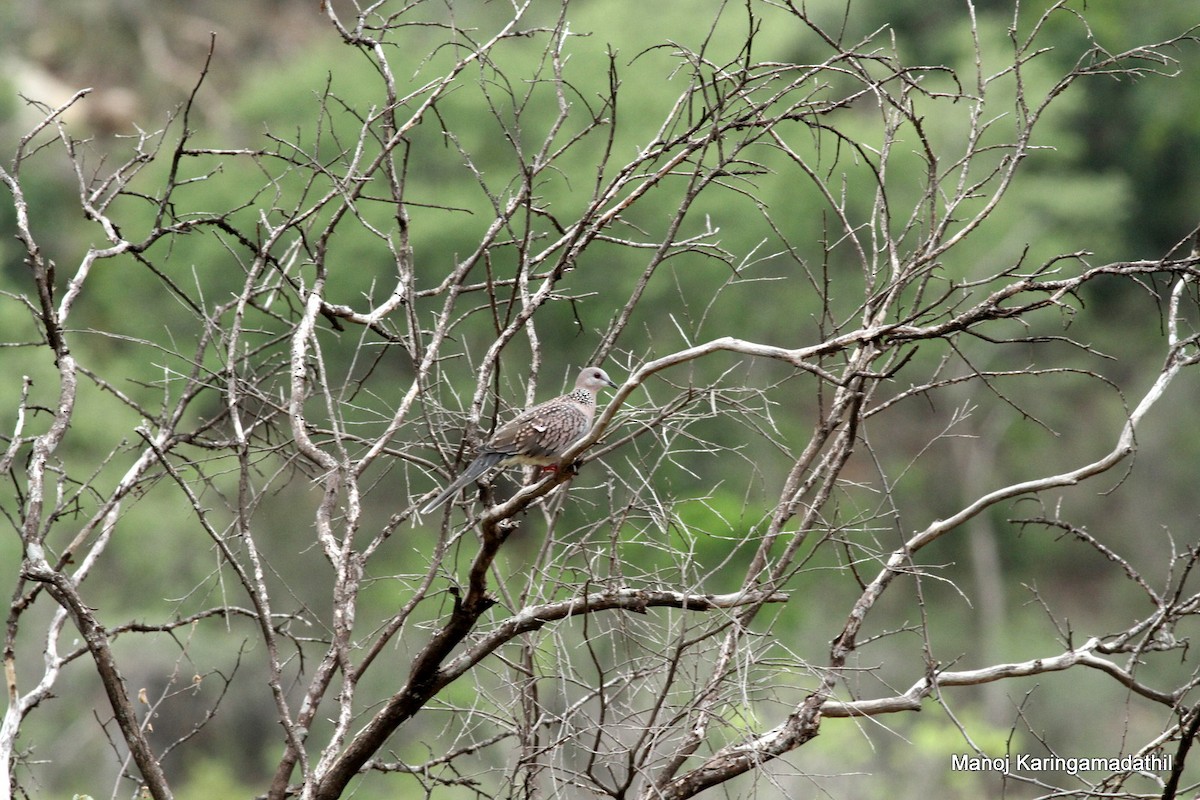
column 637, row 600
column 1084, row 655
column 96, row 637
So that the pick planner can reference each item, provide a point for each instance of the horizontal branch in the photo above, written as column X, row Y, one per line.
column 910, row 700
column 800, row 726
column 639, row 600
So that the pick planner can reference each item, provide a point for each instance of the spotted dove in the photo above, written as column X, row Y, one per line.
column 538, row 436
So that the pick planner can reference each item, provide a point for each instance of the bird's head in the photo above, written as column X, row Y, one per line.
column 593, row 379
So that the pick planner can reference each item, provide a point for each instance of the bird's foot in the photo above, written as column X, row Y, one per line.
column 571, row 469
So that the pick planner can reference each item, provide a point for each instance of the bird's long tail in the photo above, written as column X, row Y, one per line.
column 479, row 466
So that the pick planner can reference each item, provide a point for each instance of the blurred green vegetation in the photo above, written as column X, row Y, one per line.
column 1116, row 177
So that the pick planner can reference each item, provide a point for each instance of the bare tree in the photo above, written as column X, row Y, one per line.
column 298, row 419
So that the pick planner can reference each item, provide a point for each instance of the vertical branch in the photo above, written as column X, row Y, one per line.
column 95, row 637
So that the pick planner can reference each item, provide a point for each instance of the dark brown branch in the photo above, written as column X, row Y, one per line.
column 62, row 589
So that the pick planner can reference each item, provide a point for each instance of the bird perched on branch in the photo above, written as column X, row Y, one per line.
column 539, row 436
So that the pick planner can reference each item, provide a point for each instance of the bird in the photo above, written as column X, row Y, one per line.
column 538, row 436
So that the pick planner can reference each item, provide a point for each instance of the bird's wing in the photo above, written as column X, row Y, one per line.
column 542, row 434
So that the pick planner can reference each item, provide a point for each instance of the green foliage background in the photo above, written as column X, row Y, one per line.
column 1117, row 177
